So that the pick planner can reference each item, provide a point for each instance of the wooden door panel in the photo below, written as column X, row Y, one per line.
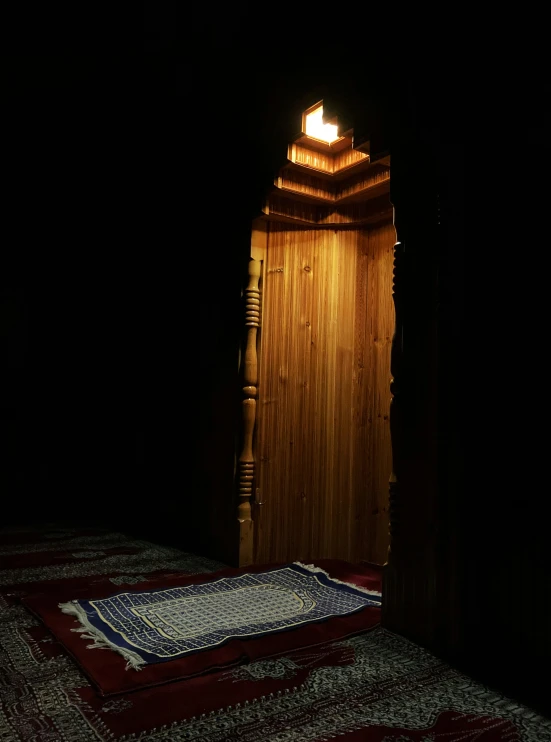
column 323, row 443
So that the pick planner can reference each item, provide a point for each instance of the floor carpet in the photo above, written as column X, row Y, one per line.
column 375, row 687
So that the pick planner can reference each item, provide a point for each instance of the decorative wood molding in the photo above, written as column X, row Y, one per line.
column 306, row 186
column 396, row 418
column 280, row 207
column 250, row 381
column 410, row 579
column 400, row 580
column 327, row 162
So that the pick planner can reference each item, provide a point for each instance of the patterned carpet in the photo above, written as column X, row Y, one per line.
column 376, row 687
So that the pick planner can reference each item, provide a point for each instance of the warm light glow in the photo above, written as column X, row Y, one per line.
column 318, row 130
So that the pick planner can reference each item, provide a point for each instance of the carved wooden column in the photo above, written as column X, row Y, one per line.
column 250, row 380
column 396, row 421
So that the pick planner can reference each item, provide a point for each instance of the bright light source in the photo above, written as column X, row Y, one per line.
column 318, row 130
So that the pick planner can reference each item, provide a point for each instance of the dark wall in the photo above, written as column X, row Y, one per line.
column 483, row 597
column 129, row 228
column 120, row 309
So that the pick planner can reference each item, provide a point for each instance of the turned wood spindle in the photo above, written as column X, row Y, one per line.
column 250, row 378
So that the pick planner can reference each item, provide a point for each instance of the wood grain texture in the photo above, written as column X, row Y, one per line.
column 303, row 210
column 325, row 162
column 304, row 184
column 323, row 439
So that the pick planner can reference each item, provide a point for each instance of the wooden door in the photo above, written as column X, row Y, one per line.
column 323, row 439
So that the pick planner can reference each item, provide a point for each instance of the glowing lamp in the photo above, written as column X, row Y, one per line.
column 315, row 128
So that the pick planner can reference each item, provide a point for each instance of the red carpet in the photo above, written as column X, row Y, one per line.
column 374, row 687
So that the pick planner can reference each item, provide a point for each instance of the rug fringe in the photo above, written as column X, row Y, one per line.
column 98, row 638
column 313, row 568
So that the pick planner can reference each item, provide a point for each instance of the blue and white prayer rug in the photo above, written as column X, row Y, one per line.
column 163, row 625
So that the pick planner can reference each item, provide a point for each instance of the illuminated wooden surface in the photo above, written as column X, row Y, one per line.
column 300, row 211
column 302, row 183
column 324, row 162
column 323, row 439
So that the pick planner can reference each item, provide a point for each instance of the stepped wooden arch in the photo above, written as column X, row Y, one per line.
column 315, row 456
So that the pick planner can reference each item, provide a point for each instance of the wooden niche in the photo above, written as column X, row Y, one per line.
column 316, row 455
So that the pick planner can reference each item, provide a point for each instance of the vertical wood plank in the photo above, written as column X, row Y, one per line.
column 323, row 437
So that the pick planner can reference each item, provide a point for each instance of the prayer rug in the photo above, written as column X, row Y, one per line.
column 150, row 627
column 325, row 609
